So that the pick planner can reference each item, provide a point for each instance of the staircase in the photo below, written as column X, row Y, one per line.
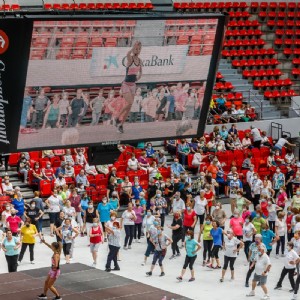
column 26, row 191
column 263, row 107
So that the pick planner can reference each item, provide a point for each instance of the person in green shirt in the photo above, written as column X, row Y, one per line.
column 240, row 201
column 257, row 222
column 207, row 239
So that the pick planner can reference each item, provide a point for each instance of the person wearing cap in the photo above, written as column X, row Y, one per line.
column 114, row 245
column 231, row 246
column 290, row 261
column 262, row 266
column 253, row 254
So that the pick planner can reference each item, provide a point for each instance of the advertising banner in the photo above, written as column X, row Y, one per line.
column 111, row 61
column 15, row 36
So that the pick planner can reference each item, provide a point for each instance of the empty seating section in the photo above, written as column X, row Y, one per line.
column 247, row 45
column 98, row 5
column 198, row 34
column 76, row 39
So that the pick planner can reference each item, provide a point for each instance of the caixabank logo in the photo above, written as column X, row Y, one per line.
column 4, row 42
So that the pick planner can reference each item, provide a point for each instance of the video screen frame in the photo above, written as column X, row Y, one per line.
column 210, row 78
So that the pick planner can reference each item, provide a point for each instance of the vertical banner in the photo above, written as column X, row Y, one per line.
column 15, row 38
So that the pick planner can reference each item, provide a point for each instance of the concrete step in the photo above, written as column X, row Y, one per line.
column 225, row 71
column 231, row 77
column 237, row 82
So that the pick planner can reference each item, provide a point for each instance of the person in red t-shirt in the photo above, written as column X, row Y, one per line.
column 96, row 237
column 189, row 219
column 209, row 196
column 48, row 172
column 289, row 216
column 14, row 223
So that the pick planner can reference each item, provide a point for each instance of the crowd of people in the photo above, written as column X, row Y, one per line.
column 177, row 102
column 222, row 111
column 265, row 211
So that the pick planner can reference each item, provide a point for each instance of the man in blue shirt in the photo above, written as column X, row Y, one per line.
column 149, row 150
column 177, row 168
column 81, row 179
column 221, row 103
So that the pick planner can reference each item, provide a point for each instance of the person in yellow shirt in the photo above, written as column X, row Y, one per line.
column 28, row 234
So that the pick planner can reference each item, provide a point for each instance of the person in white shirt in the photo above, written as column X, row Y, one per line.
column 280, row 229
column 230, row 246
column 200, row 207
column 262, row 267
column 281, row 143
column 256, row 137
column 290, row 261
column 178, row 204
column 60, row 180
column 256, row 187
column 133, row 163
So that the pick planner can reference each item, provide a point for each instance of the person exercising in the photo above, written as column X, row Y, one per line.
column 128, row 87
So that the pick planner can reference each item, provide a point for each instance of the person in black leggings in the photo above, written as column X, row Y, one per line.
column 191, row 247
column 231, row 247
column 207, row 239
column 291, row 260
column 176, row 227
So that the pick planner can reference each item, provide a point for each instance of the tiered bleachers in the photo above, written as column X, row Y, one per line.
column 76, row 39
column 98, row 182
column 199, row 34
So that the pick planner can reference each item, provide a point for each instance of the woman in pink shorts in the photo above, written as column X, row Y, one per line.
column 54, row 271
column 128, row 88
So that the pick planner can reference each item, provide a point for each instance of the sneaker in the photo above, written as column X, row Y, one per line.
column 231, row 279
column 93, row 265
column 82, row 234
column 265, row 297
column 107, row 269
column 149, row 273
column 277, row 287
column 19, row 263
column 178, row 254
column 42, row 296
column 162, row 274
column 143, row 263
column 218, row 267
column 116, row 269
column 282, row 255
column 203, row 264
column 210, row 266
column 179, row 278
column 247, row 284
column 222, row 280
column 139, row 241
column 57, row 298
column 32, row 262
column 277, row 256
column 129, row 247
column 105, row 240
column 173, row 256
column 251, row 294
column 294, row 297
column 125, row 248
column 191, row 279
column 291, row 290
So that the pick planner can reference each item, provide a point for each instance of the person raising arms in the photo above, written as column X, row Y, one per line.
column 54, row 271
column 128, row 88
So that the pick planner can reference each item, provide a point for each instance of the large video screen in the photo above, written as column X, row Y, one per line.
column 95, row 81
